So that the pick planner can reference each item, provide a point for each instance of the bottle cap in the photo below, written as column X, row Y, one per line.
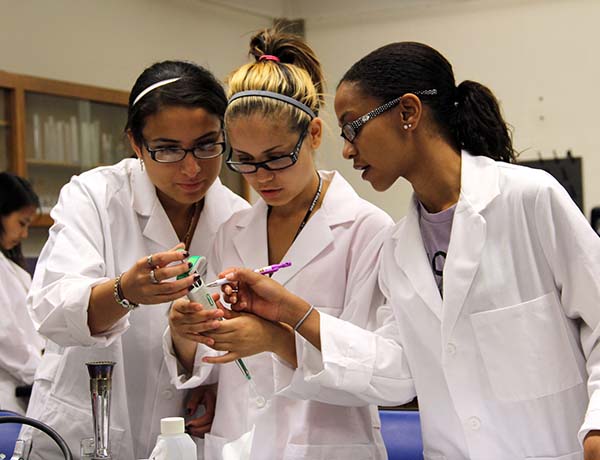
column 172, row 425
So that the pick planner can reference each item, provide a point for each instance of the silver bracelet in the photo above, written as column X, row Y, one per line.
column 299, row 323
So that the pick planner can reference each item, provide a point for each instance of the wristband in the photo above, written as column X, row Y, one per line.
column 306, row 315
column 120, row 298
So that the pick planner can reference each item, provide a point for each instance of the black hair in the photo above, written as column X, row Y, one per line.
column 197, row 88
column 468, row 116
column 16, row 193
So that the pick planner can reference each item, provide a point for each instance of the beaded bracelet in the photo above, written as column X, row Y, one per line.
column 120, row 298
column 306, row 315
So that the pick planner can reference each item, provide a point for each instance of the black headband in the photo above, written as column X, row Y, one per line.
column 273, row 95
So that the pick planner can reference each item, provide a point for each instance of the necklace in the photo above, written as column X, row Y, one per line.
column 187, row 239
column 311, row 207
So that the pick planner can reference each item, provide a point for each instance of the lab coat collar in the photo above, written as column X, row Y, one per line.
column 154, row 221
column 338, row 207
column 479, row 186
column 412, row 259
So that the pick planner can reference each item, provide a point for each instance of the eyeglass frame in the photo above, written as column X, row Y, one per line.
column 357, row 124
column 152, row 152
column 264, row 164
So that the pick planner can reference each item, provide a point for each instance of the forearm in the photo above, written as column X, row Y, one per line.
column 185, row 350
column 103, row 309
column 284, row 344
column 293, row 310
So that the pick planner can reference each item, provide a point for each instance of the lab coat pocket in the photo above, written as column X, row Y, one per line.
column 329, row 452
column 73, row 424
column 526, row 350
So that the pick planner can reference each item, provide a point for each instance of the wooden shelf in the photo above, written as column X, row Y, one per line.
column 42, row 220
column 52, row 164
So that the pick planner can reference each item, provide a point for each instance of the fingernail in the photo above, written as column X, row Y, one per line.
column 186, row 254
column 190, row 265
column 190, row 287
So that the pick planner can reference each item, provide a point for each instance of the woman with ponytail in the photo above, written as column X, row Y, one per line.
column 312, row 218
column 493, row 275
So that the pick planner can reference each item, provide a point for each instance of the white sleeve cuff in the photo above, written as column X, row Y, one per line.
column 203, row 373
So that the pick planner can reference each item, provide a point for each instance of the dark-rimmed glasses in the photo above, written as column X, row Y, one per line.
column 274, row 164
column 350, row 130
column 204, row 151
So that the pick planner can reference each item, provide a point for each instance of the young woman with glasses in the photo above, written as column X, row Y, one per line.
column 311, row 218
column 493, row 276
column 105, row 278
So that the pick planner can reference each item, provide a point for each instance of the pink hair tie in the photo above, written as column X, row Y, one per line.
column 269, row 57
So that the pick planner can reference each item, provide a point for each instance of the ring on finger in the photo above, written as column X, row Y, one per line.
column 234, row 291
column 153, row 277
column 149, row 261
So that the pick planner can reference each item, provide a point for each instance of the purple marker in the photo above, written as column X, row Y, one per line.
column 263, row 271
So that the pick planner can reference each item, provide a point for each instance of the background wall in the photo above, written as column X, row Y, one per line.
column 538, row 56
column 109, row 42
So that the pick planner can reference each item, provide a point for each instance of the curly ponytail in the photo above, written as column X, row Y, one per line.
column 478, row 125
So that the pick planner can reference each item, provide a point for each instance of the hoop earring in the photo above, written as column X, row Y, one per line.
column 142, row 164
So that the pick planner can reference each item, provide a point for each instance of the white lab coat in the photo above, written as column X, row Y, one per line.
column 20, row 344
column 107, row 219
column 503, row 364
column 324, row 263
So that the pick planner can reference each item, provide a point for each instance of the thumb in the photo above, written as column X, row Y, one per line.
column 245, row 275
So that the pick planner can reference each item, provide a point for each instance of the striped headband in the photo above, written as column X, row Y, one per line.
column 273, row 95
column 153, row 87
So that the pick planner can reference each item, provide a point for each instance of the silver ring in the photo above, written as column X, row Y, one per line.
column 234, row 291
column 149, row 261
column 153, row 277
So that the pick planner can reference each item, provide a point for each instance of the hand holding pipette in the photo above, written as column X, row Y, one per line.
column 269, row 269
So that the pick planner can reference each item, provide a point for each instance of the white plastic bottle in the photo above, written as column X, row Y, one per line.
column 173, row 443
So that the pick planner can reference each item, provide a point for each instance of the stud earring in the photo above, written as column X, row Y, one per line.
column 142, row 164
column 407, row 125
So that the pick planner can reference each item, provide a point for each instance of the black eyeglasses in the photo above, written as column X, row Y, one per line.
column 350, row 129
column 204, row 151
column 274, row 164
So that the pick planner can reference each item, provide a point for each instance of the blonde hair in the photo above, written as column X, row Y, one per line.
column 292, row 70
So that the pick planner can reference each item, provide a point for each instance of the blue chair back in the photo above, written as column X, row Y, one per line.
column 9, row 433
column 401, row 431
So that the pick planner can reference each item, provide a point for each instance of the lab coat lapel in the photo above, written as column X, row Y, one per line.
column 311, row 241
column 251, row 241
column 154, row 223
column 479, row 186
column 412, row 260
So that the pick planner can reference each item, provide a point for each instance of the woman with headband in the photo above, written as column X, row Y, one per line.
column 315, row 220
column 104, row 280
